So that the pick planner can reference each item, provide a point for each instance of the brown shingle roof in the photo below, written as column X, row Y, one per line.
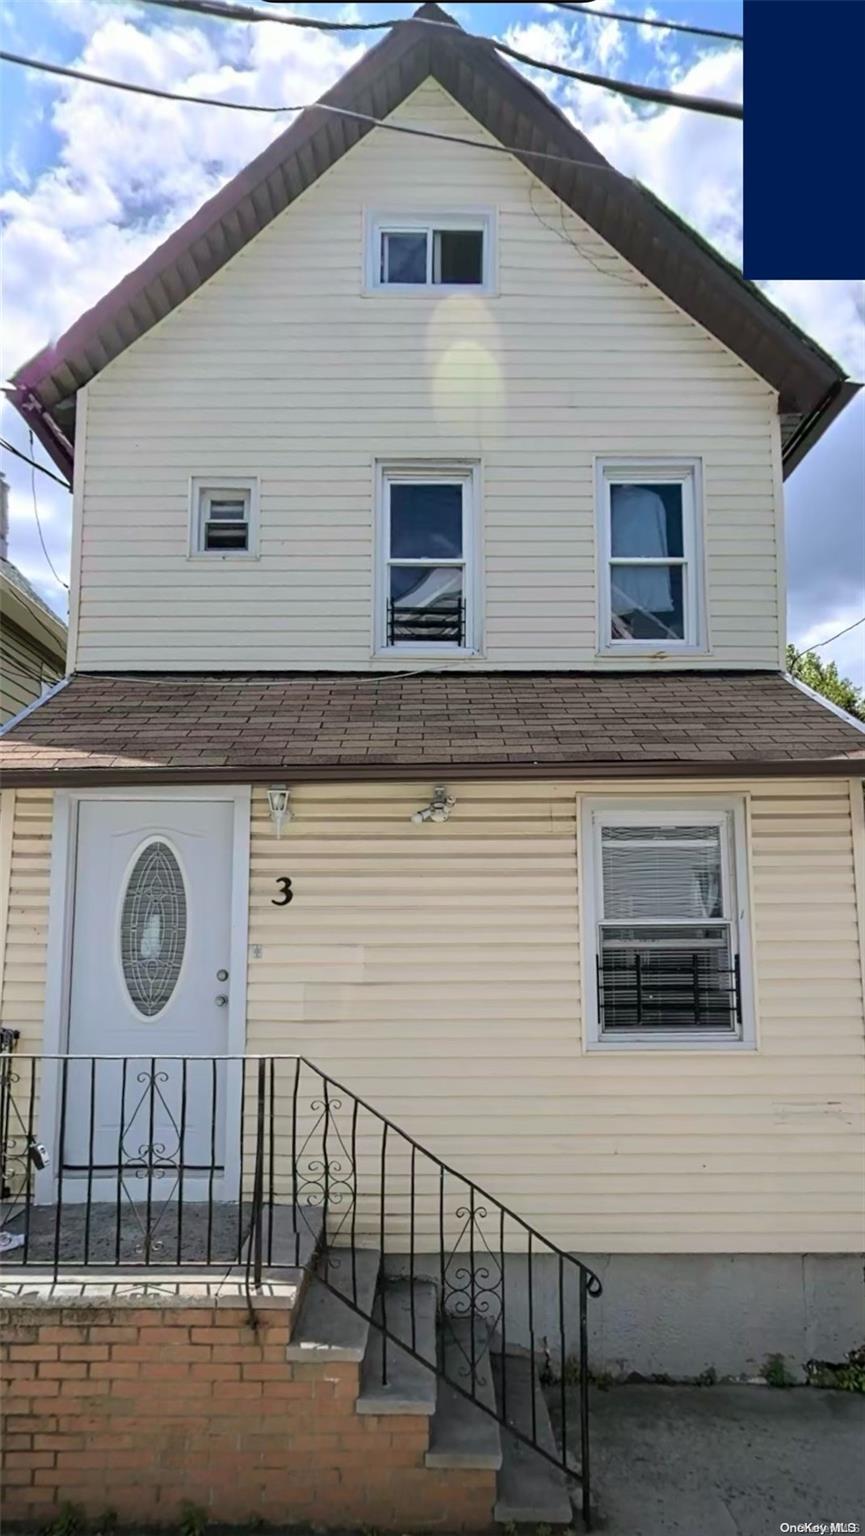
column 317, row 725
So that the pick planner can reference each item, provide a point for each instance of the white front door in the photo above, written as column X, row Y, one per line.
column 150, row 979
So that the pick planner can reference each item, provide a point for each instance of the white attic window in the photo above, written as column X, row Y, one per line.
column 224, row 517
column 409, row 253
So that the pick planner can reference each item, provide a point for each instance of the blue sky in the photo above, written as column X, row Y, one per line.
column 93, row 179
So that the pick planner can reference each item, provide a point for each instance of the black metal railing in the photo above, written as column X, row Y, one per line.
column 668, row 992
column 444, row 622
column 264, row 1163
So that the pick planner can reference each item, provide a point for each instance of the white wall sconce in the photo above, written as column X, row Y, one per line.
column 439, row 808
column 278, row 806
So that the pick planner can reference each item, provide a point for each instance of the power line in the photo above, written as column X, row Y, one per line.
column 648, row 21
column 8, row 448
column 213, row 9
column 33, row 468
column 820, row 643
column 315, row 106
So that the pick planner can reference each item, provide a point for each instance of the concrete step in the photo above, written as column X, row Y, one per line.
column 461, row 1434
column 529, row 1489
column 327, row 1329
column 409, row 1310
column 294, row 1235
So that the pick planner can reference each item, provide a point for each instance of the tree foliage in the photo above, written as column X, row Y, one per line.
column 824, row 677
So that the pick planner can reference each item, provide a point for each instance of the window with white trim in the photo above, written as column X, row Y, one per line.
column 224, row 517
column 427, row 564
column 665, row 923
column 406, row 253
column 650, row 542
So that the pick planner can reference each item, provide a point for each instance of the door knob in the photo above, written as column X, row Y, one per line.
column 220, row 1000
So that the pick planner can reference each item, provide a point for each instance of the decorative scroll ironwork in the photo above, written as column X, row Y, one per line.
column 321, row 1179
column 151, row 1160
column 472, row 1290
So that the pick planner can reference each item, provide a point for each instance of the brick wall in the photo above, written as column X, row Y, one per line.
column 137, row 1411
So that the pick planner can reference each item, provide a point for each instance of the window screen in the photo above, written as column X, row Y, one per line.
column 224, row 521
column 666, row 944
column 425, row 257
column 425, row 562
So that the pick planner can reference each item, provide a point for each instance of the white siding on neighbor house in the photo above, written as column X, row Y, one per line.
column 281, row 367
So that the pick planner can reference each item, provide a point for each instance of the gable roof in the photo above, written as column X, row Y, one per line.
column 812, row 388
column 21, row 603
column 314, row 726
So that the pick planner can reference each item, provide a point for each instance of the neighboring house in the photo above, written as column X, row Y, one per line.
column 32, row 638
column 428, row 722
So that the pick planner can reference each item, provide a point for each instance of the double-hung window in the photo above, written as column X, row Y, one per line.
column 665, row 924
column 427, row 566
column 224, row 517
column 407, row 253
column 650, row 589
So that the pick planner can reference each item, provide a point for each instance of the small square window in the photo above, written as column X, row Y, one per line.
column 451, row 252
column 650, row 594
column 224, row 517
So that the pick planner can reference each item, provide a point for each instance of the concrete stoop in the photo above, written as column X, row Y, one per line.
column 461, row 1438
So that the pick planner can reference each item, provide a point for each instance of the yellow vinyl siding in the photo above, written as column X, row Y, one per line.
column 23, row 989
column 435, row 971
column 282, row 367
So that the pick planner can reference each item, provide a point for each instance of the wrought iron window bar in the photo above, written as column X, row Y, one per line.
column 444, row 623
column 650, row 992
column 303, row 1143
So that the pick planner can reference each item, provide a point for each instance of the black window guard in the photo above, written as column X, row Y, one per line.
column 443, row 623
column 664, row 994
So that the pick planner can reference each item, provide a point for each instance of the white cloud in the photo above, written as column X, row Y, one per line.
column 130, row 168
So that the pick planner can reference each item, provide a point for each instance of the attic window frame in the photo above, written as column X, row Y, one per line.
column 377, row 225
column 202, row 487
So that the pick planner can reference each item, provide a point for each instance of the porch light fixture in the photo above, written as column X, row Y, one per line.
column 439, row 808
column 278, row 806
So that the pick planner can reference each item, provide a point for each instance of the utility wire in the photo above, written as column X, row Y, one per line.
column 820, row 643
column 315, row 106
column 33, row 468
column 8, row 448
column 227, row 12
column 648, row 21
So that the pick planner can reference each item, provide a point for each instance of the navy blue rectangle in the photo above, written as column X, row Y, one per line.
column 804, row 170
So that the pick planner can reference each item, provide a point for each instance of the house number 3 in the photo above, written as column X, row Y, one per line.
column 287, row 893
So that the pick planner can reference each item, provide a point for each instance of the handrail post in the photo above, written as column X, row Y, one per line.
column 258, row 1180
column 585, row 1470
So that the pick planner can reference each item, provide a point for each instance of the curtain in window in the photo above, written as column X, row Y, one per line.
column 640, row 533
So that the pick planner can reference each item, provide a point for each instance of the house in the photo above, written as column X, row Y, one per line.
column 32, row 638
column 428, row 876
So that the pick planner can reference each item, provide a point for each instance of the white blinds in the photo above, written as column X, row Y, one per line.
column 661, row 873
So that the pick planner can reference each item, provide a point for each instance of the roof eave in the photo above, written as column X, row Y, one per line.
column 348, row 773
column 813, row 427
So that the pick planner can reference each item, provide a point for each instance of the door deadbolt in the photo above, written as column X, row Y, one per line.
column 222, row 975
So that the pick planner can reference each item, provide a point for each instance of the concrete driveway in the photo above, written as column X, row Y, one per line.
column 727, row 1461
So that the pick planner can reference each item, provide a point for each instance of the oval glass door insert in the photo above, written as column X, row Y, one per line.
column 153, row 928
